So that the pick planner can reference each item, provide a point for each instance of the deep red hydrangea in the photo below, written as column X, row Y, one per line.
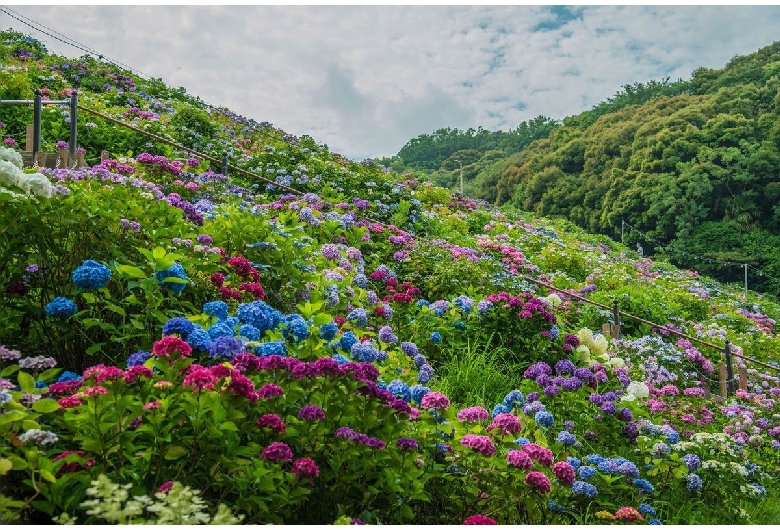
column 538, row 481
column 169, row 345
column 255, row 289
column 305, row 468
column 66, row 387
column 221, row 371
column 277, row 452
column 628, row 514
column 72, row 467
column 230, row 294
column 165, row 487
column 270, row 391
column 479, row 520
column 272, row 421
column 244, row 268
column 218, row 279
column 564, row 473
column 241, row 385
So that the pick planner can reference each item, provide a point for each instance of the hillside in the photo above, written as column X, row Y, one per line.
column 311, row 340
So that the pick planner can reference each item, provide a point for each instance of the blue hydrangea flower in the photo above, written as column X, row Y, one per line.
column 66, row 376
column 328, row 331
column 418, row 392
column 386, row 335
column 643, row 485
column 420, row 360
column 295, row 327
column 654, row 521
column 583, row 488
column 574, row 462
column 586, row 472
column 178, row 325
column 249, row 332
column 400, row 390
column 176, row 271
column 260, row 315
column 693, row 483
column 359, row 316
column 199, row 338
column 364, row 352
column 217, row 308
column 91, row 275
column 522, row 441
column 425, row 373
column 566, row 438
column 225, row 347
column 347, row 341
column 138, row 358
column 340, row 358
column 61, row 307
column 594, row 459
column 436, row 337
column 277, row 347
column 221, row 329
column 500, row 409
column 410, row 349
column 647, row 510
column 544, row 418
column 514, row 399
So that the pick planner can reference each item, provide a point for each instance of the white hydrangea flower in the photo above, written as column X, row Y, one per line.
column 637, row 389
column 599, row 344
column 12, row 156
column 585, row 335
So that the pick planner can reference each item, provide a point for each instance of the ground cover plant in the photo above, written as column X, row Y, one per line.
column 341, row 344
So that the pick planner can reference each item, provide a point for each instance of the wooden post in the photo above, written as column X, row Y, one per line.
column 743, row 378
column 40, row 159
column 80, row 163
column 707, row 393
column 723, row 382
column 615, row 319
column 606, row 329
column 62, row 159
column 104, row 155
column 28, row 140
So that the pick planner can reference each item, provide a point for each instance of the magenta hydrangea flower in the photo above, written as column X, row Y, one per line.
column 277, row 452
column 479, row 519
column 541, row 454
column 538, row 481
column 305, row 468
column 473, row 414
column 482, row 444
column 311, row 412
column 508, row 423
column 564, row 473
column 272, row 421
column 435, row 400
column 518, row 458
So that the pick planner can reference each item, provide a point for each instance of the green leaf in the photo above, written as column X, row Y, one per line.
column 18, row 462
column 11, row 416
column 158, row 253
column 48, row 374
column 45, row 406
column 406, row 512
column 92, row 350
column 228, row 426
column 5, row 466
column 26, row 382
column 175, row 452
column 131, row 272
column 173, row 279
column 48, row 476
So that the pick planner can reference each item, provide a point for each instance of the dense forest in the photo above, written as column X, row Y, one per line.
column 690, row 165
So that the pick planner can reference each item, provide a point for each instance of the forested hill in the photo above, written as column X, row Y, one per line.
column 697, row 171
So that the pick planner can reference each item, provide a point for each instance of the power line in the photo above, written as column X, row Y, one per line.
column 67, row 40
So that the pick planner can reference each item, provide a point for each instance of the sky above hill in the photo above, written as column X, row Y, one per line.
column 365, row 80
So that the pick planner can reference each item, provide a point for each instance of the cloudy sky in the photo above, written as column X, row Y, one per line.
column 365, row 80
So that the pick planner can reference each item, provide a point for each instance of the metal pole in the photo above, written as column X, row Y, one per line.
column 615, row 312
column 746, row 289
column 37, row 121
column 224, row 164
column 729, row 369
column 74, row 102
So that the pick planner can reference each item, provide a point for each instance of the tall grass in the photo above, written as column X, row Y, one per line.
column 476, row 374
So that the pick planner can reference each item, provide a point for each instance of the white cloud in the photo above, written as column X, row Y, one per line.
column 365, row 80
